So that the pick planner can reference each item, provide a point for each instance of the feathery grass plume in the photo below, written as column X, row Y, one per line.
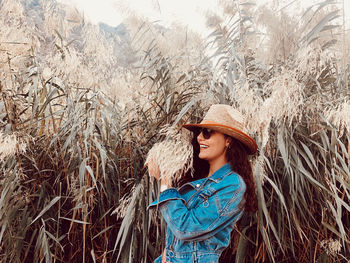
column 9, row 144
column 339, row 116
column 173, row 155
column 124, row 203
column 259, row 164
column 283, row 100
column 331, row 246
column 312, row 60
column 286, row 97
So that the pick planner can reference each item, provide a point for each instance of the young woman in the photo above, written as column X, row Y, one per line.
column 201, row 214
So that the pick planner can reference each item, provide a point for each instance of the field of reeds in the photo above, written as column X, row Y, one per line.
column 79, row 111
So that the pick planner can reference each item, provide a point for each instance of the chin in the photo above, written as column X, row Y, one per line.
column 200, row 156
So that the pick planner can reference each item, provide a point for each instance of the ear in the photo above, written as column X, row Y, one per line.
column 228, row 141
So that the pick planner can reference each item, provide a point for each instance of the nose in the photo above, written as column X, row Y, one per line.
column 200, row 137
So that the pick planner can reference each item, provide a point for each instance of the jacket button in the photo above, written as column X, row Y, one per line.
column 198, row 185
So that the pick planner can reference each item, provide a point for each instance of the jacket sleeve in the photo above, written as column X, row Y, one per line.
column 198, row 223
column 169, row 194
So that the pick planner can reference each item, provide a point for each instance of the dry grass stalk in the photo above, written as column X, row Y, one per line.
column 95, row 154
column 124, row 203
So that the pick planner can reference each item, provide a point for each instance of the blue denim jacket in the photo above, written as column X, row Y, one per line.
column 200, row 216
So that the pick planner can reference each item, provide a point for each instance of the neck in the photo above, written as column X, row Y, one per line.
column 216, row 165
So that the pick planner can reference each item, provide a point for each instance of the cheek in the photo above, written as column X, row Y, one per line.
column 214, row 150
column 220, row 149
column 219, row 145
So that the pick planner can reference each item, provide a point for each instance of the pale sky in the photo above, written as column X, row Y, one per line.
column 112, row 12
column 187, row 12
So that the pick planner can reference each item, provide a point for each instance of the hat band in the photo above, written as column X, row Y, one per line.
column 237, row 126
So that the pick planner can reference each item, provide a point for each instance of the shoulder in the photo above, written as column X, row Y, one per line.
column 231, row 182
column 228, row 193
column 236, row 180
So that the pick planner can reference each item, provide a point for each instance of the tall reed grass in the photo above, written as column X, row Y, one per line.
column 76, row 128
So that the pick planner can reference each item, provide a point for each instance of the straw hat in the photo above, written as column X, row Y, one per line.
column 227, row 120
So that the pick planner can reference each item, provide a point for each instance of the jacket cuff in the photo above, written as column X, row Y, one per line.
column 166, row 195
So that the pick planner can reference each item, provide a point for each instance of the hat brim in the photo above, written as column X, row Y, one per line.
column 248, row 141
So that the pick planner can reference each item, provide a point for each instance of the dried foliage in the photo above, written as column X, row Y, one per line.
column 76, row 127
column 173, row 154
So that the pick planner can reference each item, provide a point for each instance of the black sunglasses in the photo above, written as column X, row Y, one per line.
column 206, row 132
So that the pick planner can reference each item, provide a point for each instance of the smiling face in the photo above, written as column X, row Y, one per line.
column 214, row 148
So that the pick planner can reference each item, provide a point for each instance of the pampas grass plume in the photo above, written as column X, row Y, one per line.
column 173, row 155
column 9, row 144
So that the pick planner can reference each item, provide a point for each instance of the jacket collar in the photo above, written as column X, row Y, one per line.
column 215, row 177
column 220, row 173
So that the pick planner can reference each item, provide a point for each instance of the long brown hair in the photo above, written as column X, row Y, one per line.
column 237, row 156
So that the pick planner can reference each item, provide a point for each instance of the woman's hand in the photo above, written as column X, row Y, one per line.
column 153, row 170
